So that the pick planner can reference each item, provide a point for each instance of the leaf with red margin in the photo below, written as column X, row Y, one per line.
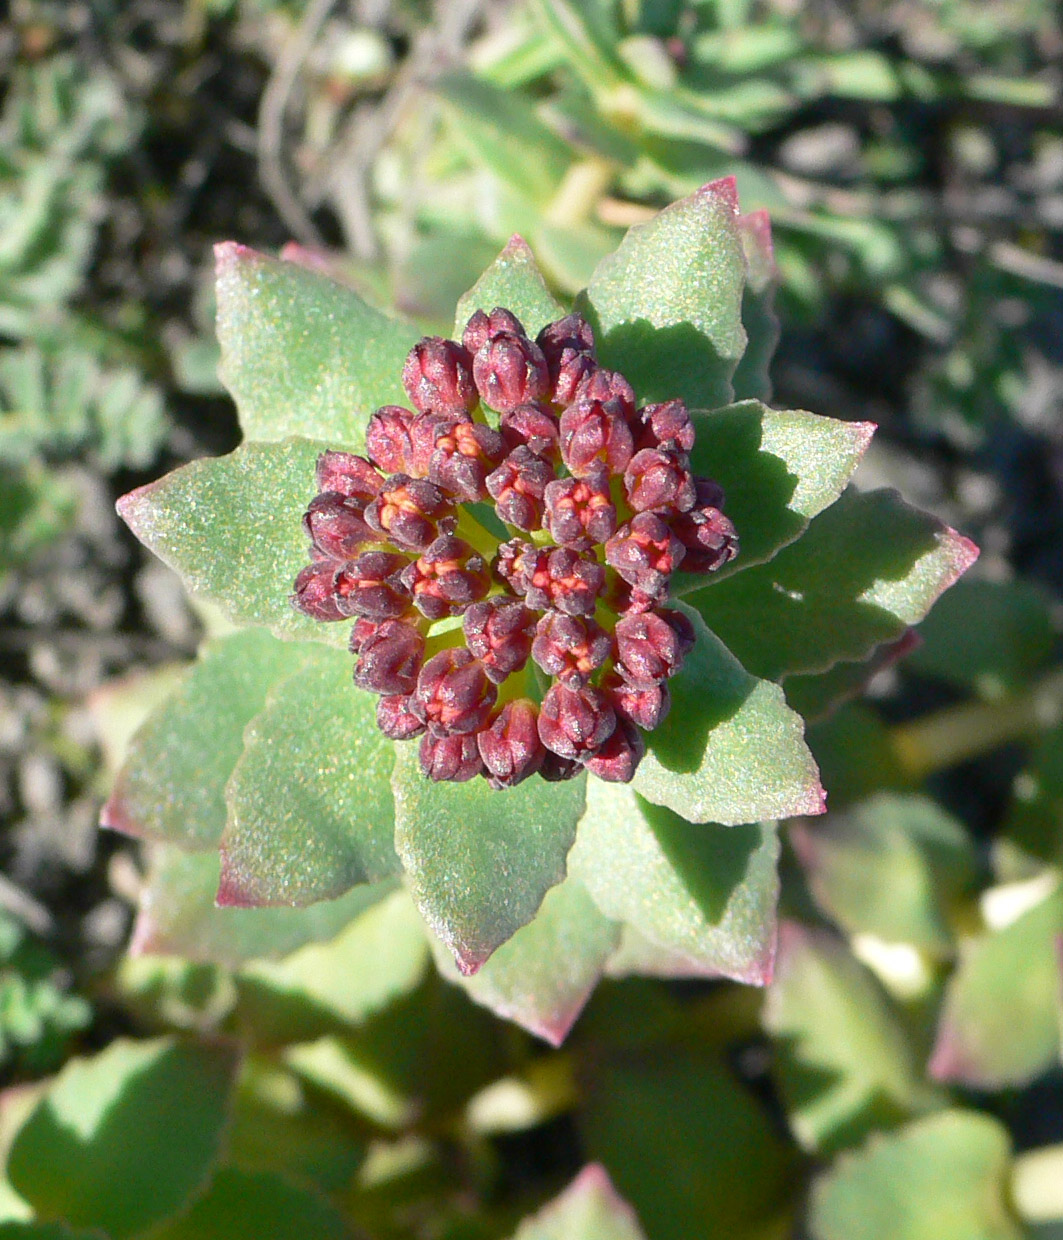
column 866, row 569
column 700, row 894
column 589, row 1209
column 515, row 282
column 542, row 977
column 666, row 307
column 301, row 354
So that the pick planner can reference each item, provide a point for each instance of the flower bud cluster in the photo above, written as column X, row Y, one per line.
column 561, row 657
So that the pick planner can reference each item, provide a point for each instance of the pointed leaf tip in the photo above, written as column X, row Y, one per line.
column 231, row 891
column 725, row 188
column 115, row 816
column 228, row 253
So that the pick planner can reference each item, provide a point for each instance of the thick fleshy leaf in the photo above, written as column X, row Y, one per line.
column 1000, row 1021
column 730, row 750
column 124, row 1140
column 544, row 974
column 941, row 1178
column 172, row 784
column 753, row 376
column 666, row 307
column 231, row 526
column 867, row 568
column 301, row 354
column 178, row 915
column 703, row 893
column 248, row 1205
column 778, row 469
column 816, row 695
column 897, row 867
column 479, row 861
column 329, row 987
column 680, row 1138
column 842, row 1056
column 311, row 811
column 514, row 281
column 589, row 1209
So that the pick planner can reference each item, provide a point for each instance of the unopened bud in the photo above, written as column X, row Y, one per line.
column 645, row 552
column 351, row 476
column 336, row 526
column 484, row 327
column 648, row 648
column 446, row 578
column 573, row 723
column 410, row 511
column 510, row 746
column 369, row 586
column 450, row 759
column 645, row 705
column 603, row 386
column 390, row 660
column 464, row 454
column 510, row 370
column 517, row 486
column 499, row 632
column 556, row 769
column 568, row 346
column 580, row 511
column 388, row 442
column 618, row 758
column 315, row 593
column 395, row 719
column 708, row 536
column 453, row 693
column 595, row 433
column 659, row 480
column 571, row 648
column 532, row 427
column 568, row 580
column 666, row 423
column 361, row 631
column 437, row 376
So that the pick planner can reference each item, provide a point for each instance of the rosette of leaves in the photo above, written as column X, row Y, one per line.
column 266, row 772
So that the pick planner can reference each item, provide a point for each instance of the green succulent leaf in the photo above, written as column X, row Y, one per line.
column 703, row 894
column 941, row 1178
column 301, row 354
column 231, row 528
column 544, row 974
column 310, row 807
column 666, row 307
column 842, row 1056
column 897, row 867
column 514, row 281
column 246, row 1205
column 172, row 784
column 752, row 378
column 815, row 695
column 778, row 469
column 730, row 750
column 867, row 568
column 329, row 988
column 678, row 1135
column 125, row 1139
column 478, row 862
column 589, row 1209
column 999, row 1025
column 178, row 914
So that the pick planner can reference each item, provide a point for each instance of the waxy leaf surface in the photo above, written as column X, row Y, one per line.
column 514, row 282
column 867, row 568
column 666, row 307
column 301, row 354
column 703, row 894
column 778, row 469
column 172, row 784
column 544, row 974
column 589, row 1209
column 941, row 1178
column 124, row 1140
column 730, row 750
column 309, row 802
column 231, row 527
column 478, row 862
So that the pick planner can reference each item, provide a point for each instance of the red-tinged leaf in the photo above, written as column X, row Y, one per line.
column 301, row 354
column 589, row 1209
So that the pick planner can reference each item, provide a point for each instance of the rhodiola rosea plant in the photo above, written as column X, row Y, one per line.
column 503, row 529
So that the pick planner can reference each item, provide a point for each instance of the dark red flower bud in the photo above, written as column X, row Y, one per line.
column 453, row 693
column 568, row 346
column 315, row 592
column 605, row 386
column 645, row 553
column 395, row 719
column 387, row 439
column 659, row 480
column 666, row 423
column 573, row 723
column 452, row 759
column 648, row 648
column 351, row 476
column 556, row 769
column 708, row 536
column 628, row 600
column 464, row 454
column 437, row 376
column 510, row 746
column 517, row 487
column 595, row 432
column 361, row 631
column 499, row 632
column 446, row 578
column 336, row 527
column 410, row 511
column 510, row 370
column 390, row 659
column 618, row 758
column 645, row 704
column 369, row 586
column 484, row 327
column 533, row 427
column 568, row 580
column 571, row 648
column 683, row 629
column 511, row 562
column 580, row 511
